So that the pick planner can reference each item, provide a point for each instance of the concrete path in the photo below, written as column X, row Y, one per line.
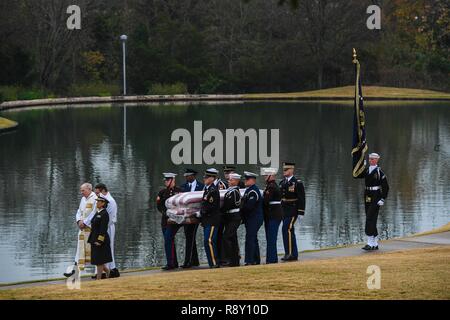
column 415, row 242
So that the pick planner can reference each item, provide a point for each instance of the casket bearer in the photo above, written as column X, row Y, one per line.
column 210, row 217
column 293, row 204
column 190, row 230
column 375, row 194
column 231, row 219
column 252, row 215
column 273, row 213
column 85, row 209
column 227, row 171
column 169, row 230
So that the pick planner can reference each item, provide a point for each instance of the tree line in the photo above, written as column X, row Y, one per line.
column 222, row 46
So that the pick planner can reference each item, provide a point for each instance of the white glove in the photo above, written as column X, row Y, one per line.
column 380, row 203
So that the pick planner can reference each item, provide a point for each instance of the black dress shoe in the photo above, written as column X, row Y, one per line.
column 68, row 275
column 186, row 266
column 290, row 258
column 375, row 248
column 215, row 266
column 168, row 268
column 114, row 273
column 284, row 257
column 367, row 247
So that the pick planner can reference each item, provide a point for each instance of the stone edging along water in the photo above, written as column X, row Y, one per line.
column 184, row 98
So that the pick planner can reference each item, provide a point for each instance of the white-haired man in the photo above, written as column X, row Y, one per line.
column 375, row 195
column 86, row 208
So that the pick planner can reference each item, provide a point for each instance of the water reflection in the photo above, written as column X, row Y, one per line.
column 54, row 151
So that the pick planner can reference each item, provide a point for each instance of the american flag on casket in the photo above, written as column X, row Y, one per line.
column 184, row 208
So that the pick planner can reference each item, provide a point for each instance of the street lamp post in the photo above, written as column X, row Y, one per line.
column 124, row 38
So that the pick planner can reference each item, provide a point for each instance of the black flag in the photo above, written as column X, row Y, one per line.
column 359, row 147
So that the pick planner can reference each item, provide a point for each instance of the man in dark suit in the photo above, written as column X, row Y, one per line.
column 190, row 230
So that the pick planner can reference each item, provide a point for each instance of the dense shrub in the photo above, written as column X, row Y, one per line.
column 168, row 89
column 94, row 90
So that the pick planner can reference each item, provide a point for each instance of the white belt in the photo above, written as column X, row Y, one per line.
column 373, row 188
column 233, row 210
column 275, row 202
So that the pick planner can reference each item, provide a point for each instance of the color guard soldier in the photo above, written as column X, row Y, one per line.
column 231, row 219
column 210, row 217
column 252, row 215
column 169, row 230
column 375, row 195
column 273, row 213
column 293, row 204
column 190, row 230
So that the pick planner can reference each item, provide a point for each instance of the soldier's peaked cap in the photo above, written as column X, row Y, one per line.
column 374, row 155
column 269, row 171
column 250, row 175
column 211, row 172
column 190, row 172
column 288, row 165
column 169, row 175
column 100, row 198
column 229, row 168
column 235, row 176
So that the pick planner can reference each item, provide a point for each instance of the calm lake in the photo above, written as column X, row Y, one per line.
column 54, row 150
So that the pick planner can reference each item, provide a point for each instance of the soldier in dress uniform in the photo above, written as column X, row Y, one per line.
column 111, row 208
column 210, row 217
column 293, row 204
column 85, row 209
column 231, row 219
column 190, row 230
column 99, row 238
column 227, row 170
column 375, row 195
column 252, row 215
column 273, row 213
column 169, row 230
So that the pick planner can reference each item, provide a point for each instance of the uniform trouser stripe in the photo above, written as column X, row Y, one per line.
column 211, row 249
column 290, row 233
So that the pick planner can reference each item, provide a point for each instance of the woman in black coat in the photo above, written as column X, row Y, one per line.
column 99, row 238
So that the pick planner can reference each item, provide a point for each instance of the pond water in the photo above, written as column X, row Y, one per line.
column 43, row 163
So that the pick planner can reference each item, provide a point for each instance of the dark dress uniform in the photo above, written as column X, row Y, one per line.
column 293, row 204
column 377, row 188
column 99, row 233
column 210, row 218
column 252, row 215
column 273, row 215
column 190, row 232
column 221, row 185
column 231, row 219
column 169, row 230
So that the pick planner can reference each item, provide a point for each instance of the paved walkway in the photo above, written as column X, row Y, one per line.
column 416, row 242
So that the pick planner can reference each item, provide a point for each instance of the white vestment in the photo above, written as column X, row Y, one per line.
column 87, row 208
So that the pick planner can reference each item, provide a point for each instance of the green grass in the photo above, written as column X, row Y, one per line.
column 408, row 274
column 372, row 92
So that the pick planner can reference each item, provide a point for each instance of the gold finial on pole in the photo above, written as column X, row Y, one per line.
column 354, row 56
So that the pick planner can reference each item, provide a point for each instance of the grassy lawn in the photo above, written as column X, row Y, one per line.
column 409, row 274
column 7, row 124
column 349, row 92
